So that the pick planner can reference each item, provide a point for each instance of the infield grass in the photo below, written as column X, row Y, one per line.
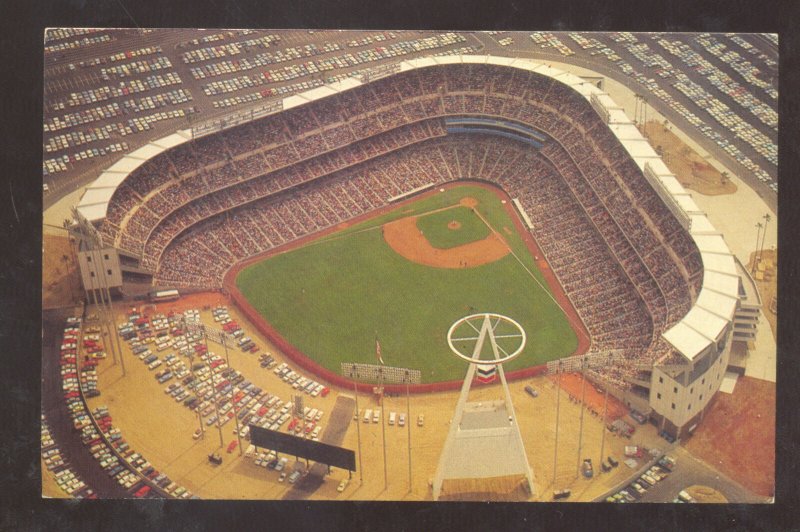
column 436, row 230
column 331, row 297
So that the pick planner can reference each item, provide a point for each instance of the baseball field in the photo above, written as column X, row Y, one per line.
column 403, row 277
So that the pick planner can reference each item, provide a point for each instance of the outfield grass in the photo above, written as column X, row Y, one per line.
column 435, row 227
column 331, row 297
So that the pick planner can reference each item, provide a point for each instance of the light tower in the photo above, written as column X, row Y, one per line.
column 484, row 440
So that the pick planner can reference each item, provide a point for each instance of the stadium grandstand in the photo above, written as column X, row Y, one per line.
column 645, row 270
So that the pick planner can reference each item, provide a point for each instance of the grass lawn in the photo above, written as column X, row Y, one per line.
column 435, row 227
column 331, row 297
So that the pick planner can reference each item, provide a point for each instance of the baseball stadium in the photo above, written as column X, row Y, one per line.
column 324, row 243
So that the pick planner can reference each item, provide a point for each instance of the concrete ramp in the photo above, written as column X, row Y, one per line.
column 333, row 434
column 729, row 382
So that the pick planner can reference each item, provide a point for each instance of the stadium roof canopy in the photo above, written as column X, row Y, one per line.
column 94, row 202
column 691, row 336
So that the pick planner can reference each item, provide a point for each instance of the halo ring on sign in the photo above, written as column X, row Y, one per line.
column 487, row 362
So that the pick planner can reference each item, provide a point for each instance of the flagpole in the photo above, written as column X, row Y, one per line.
column 358, row 429
column 408, row 409
column 382, row 404
column 383, row 430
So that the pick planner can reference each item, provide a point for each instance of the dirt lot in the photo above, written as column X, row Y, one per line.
column 60, row 276
column 161, row 430
column 689, row 167
column 704, row 494
column 594, row 398
column 737, row 435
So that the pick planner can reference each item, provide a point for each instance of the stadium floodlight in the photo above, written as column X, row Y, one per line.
column 380, row 374
column 581, row 364
column 222, row 338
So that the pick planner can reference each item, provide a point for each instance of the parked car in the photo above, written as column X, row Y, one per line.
column 281, row 464
column 667, row 462
column 342, row 485
column 530, row 391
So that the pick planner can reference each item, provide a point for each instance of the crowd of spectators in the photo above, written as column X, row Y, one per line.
column 628, row 266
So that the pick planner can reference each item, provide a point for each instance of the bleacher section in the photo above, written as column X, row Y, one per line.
column 628, row 265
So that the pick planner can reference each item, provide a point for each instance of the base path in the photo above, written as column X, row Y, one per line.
column 407, row 240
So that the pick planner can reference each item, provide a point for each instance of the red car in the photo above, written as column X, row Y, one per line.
column 232, row 445
column 325, row 391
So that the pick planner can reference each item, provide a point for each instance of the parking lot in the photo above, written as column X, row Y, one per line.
column 723, row 113
column 712, row 84
column 100, row 97
column 160, row 429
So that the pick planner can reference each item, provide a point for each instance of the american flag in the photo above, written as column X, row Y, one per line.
column 378, row 350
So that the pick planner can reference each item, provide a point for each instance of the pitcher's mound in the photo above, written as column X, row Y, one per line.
column 454, row 225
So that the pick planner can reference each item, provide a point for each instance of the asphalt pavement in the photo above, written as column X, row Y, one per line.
column 55, row 410
column 333, row 434
column 690, row 471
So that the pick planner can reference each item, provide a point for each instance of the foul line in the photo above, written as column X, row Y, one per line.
column 546, row 291
column 438, row 209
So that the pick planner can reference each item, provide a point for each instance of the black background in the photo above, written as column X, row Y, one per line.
column 21, row 44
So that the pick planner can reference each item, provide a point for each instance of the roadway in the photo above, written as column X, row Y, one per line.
column 691, row 471
column 54, row 408
column 333, row 434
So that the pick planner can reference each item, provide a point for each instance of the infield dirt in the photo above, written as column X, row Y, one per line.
column 405, row 239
